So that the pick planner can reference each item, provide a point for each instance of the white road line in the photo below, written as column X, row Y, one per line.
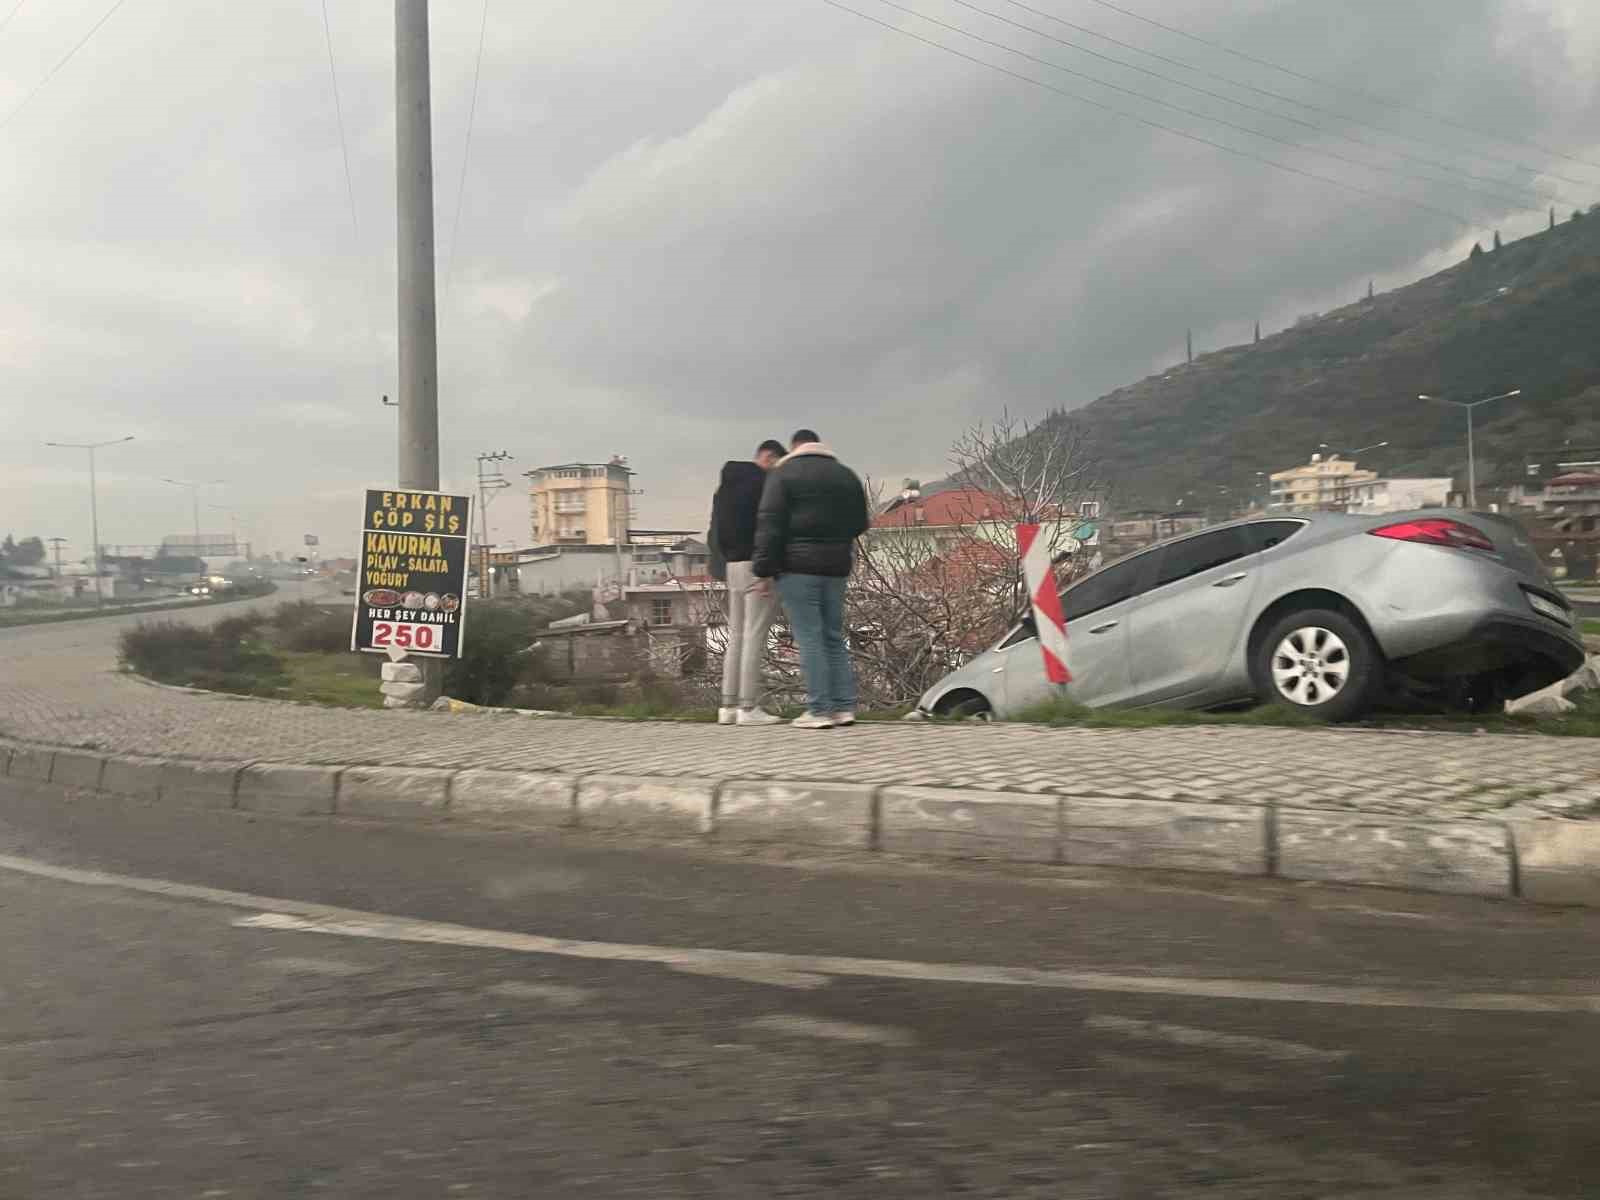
column 793, row 1025
column 313, row 966
column 558, row 994
column 301, row 916
column 799, row 980
column 1210, row 1039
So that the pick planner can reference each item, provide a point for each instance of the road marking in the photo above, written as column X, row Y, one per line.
column 837, row 1031
column 306, row 917
column 313, row 966
column 558, row 994
column 1210, row 1039
column 799, row 980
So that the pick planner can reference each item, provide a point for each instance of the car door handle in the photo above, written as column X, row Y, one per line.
column 1105, row 627
column 1230, row 580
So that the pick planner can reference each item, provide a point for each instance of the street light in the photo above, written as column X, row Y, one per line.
column 94, row 505
column 1352, row 453
column 1472, row 463
column 194, row 497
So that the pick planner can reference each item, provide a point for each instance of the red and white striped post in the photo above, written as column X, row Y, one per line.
column 1038, row 571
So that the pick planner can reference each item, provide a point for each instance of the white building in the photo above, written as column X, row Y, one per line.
column 1377, row 496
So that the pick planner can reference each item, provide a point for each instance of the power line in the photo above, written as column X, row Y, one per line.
column 12, row 13
column 1282, row 99
column 466, row 154
column 1365, row 95
column 350, row 192
column 1245, row 129
column 1187, row 136
column 65, row 59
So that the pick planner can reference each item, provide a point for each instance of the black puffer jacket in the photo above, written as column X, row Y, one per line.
column 738, row 496
column 812, row 510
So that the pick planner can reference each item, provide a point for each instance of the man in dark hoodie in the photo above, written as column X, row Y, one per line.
column 812, row 511
column 750, row 610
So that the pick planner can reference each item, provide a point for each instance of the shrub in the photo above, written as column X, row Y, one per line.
column 227, row 657
column 497, row 638
column 309, row 628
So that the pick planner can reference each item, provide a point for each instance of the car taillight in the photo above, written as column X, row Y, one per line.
column 1436, row 531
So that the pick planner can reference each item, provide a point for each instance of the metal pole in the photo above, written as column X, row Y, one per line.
column 419, row 371
column 94, row 532
column 417, row 327
column 1472, row 464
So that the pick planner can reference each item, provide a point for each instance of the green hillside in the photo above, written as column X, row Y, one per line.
column 1526, row 315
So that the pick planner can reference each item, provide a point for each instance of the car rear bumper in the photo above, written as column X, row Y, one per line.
column 1532, row 648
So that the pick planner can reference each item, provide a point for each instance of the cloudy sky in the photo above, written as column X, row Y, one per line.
column 687, row 225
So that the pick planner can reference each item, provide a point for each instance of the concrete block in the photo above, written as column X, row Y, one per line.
column 970, row 824
column 1164, row 834
column 288, row 790
column 813, row 814
column 1558, row 862
column 138, row 778
column 407, row 692
column 514, row 797
column 31, row 762
column 1469, row 857
column 661, row 804
column 401, row 672
column 406, row 793
column 77, row 769
column 200, row 784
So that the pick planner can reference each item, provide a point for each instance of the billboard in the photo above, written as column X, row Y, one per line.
column 412, row 581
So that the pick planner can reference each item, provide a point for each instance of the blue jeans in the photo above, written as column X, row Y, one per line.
column 815, row 604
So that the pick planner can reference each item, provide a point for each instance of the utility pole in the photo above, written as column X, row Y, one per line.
column 56, row 542
column 1472, row 461
column 417, row 326
column 94, row 504
column 490, row 480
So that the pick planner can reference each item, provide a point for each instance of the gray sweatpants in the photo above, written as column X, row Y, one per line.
column 749, row 619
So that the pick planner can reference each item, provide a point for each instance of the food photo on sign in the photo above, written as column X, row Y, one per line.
column 413, row 573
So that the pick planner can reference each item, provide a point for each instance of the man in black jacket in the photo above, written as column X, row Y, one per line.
column 733, row 527
column 812, row 510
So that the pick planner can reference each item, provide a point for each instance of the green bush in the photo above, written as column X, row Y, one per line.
column 498, row 638
column 229, row 656
column 310, row 628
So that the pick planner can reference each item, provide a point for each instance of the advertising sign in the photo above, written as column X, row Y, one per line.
column 412, row 586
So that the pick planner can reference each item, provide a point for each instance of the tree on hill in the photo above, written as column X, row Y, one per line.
column 1497, row 239
column 1477, row 251
column 1577, row 214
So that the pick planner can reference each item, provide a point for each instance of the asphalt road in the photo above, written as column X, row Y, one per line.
column 163, row 1043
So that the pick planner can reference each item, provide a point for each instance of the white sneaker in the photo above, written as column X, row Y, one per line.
column 756, row 716
column 812, row 721
column 842, row 719
column 727, row 716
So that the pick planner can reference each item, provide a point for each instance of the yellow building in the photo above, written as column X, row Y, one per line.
column 1322, row 485
column 580, row 504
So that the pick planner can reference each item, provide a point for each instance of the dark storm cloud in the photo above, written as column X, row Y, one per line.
column 689, row 226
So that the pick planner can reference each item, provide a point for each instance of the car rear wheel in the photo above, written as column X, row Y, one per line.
column 1319, row 662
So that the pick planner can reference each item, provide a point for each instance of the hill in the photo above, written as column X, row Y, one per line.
column 1524, row 316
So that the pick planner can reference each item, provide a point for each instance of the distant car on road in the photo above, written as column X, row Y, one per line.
column 1326, row 613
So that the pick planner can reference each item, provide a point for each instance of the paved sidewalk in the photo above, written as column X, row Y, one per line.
column 59, row 685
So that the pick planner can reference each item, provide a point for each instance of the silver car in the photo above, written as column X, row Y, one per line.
column 1324, row 612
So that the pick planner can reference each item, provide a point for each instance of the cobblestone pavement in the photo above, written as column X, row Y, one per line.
column 59, row 684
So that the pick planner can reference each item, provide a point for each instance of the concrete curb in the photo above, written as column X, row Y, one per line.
column 1550, row 861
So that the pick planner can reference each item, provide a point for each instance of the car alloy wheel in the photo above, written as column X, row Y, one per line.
column 1310, row 666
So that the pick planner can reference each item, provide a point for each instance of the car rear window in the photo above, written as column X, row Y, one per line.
column 1201, row 553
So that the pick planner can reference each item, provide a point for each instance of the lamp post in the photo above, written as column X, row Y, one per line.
column 94, row 504
column 1472, row 462
column 194, row 499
